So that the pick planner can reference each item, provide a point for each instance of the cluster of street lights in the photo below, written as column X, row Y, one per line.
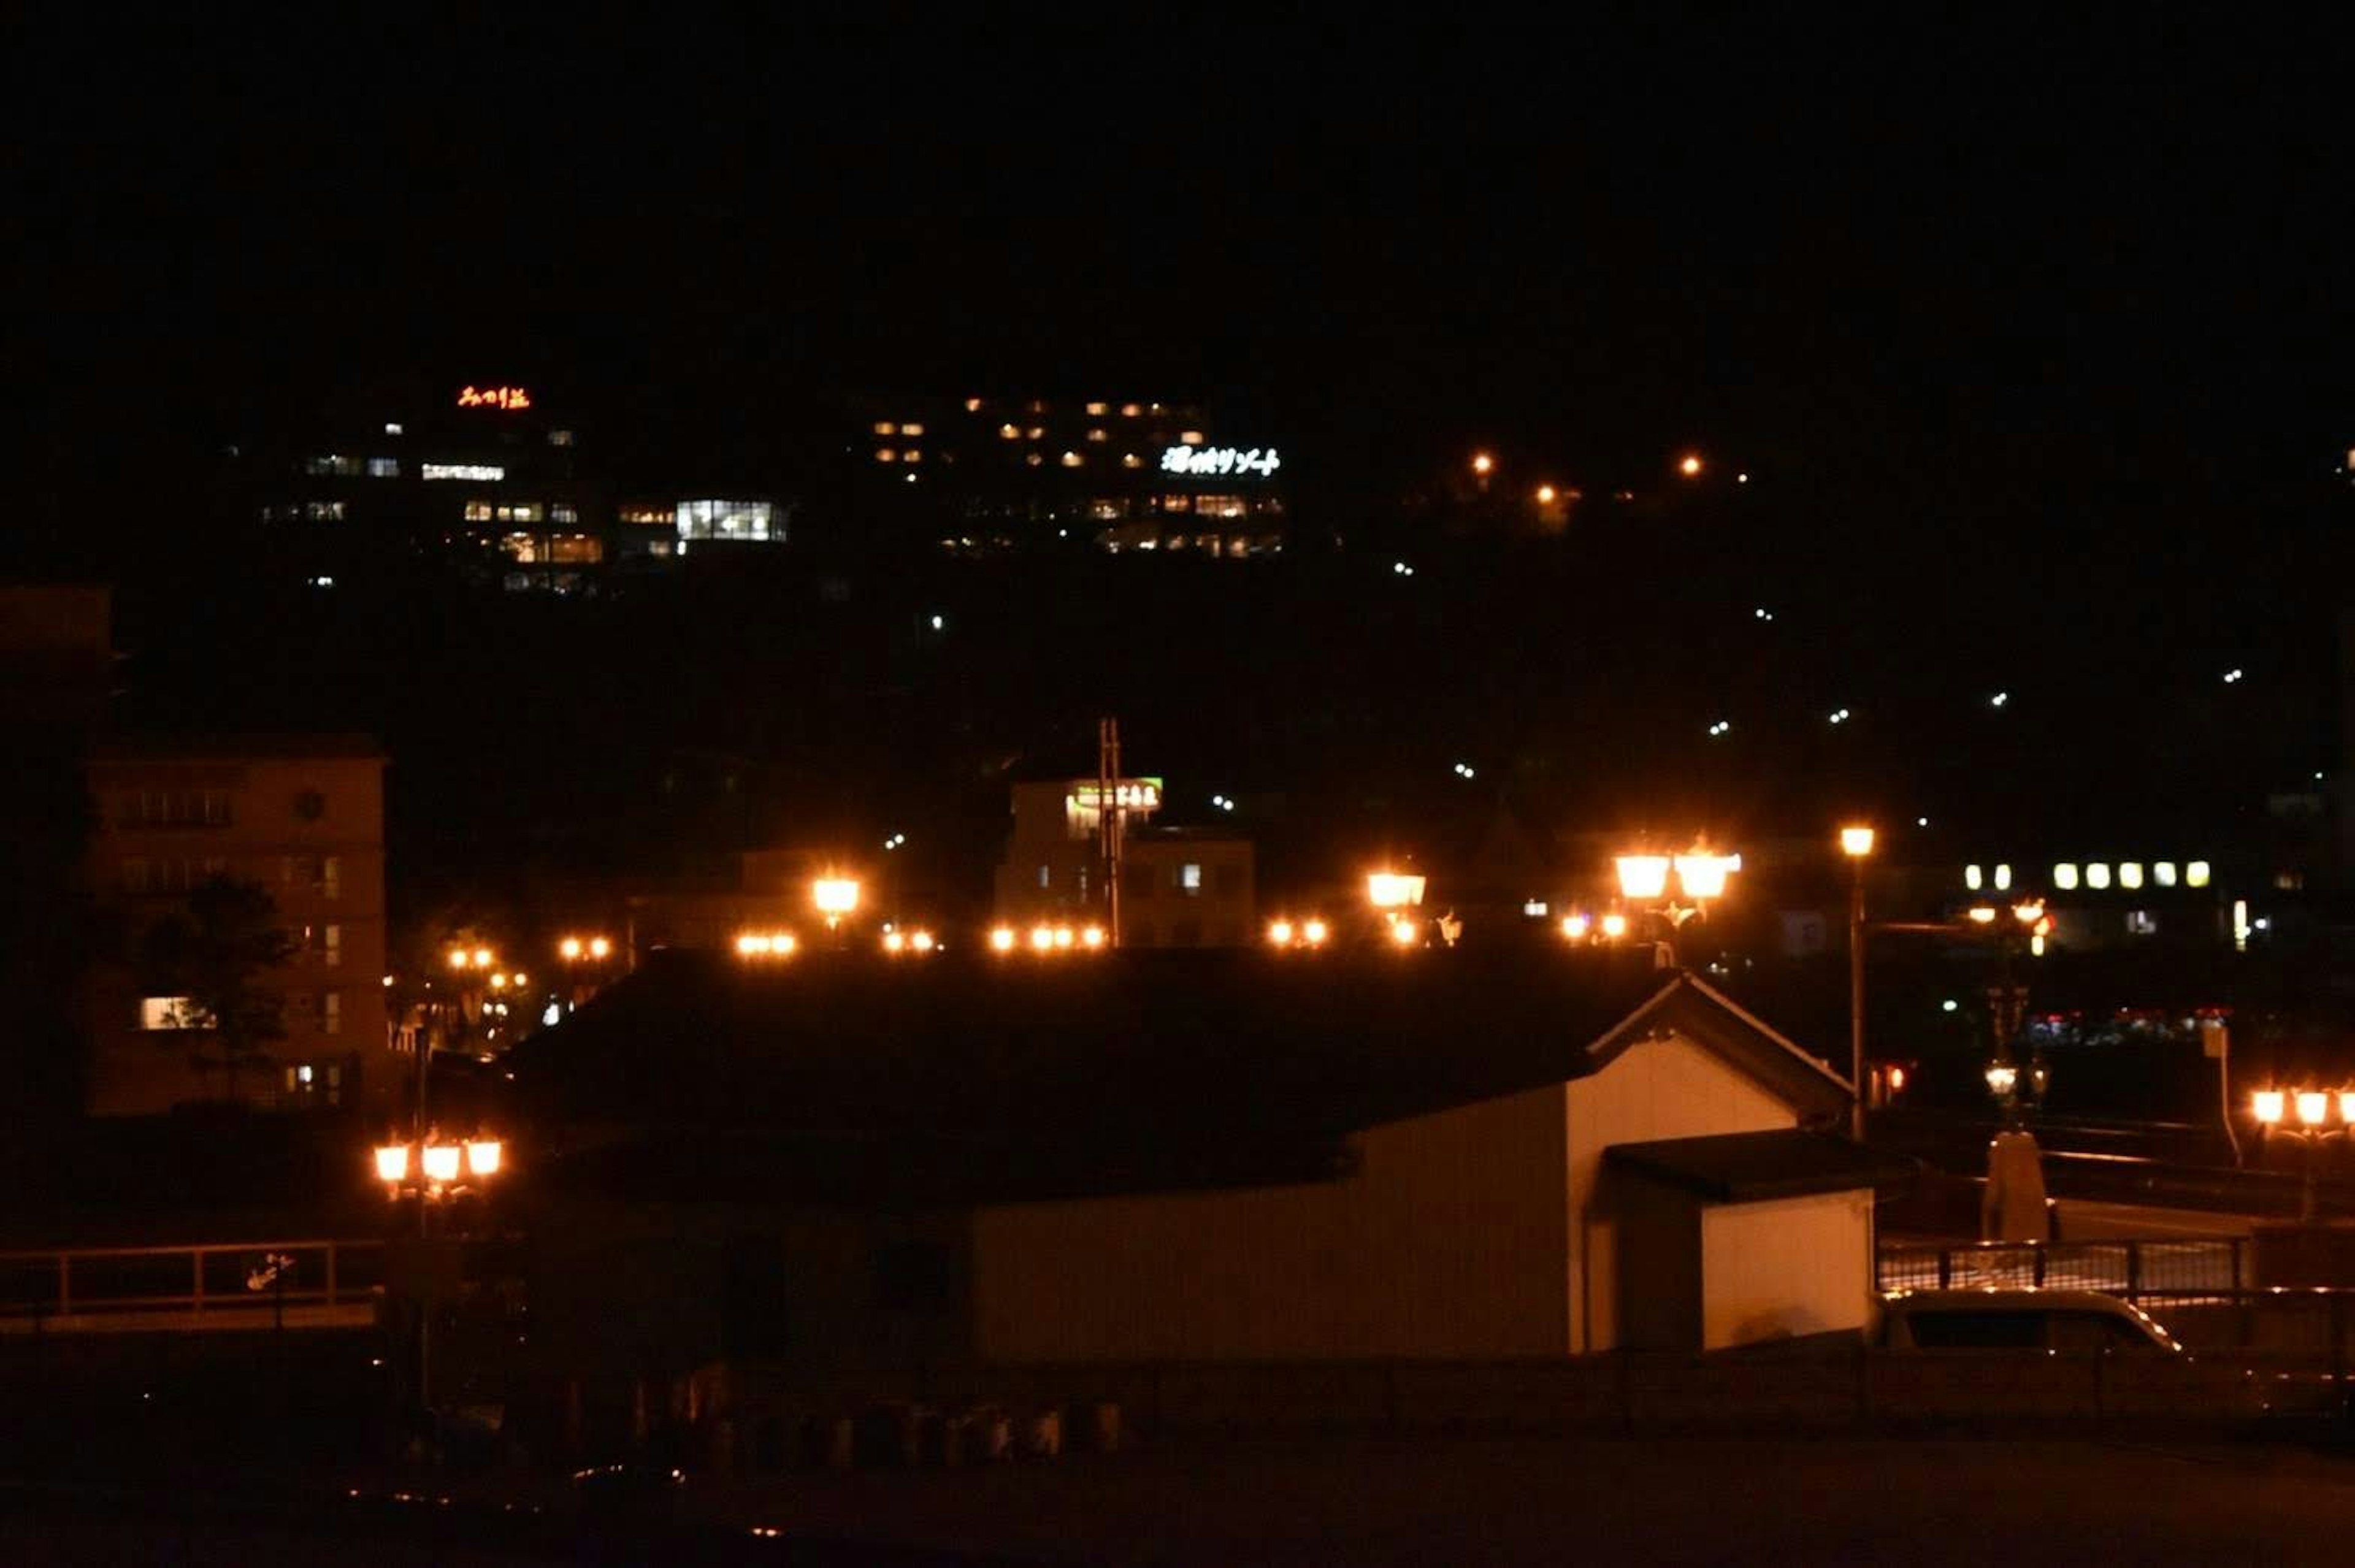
column 434, row 1169
column 1049, row 939
column 917, row 941
column 2313, row 1106
column 766, row 944
column 1310, row 932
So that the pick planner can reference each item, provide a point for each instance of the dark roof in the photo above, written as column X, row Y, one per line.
column 1745, row 1168
column 1121, row 1052
column 164, row 746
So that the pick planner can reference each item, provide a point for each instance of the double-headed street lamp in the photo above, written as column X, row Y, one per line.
column 1701, row 875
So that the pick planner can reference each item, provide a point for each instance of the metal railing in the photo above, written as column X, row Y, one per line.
column 2132, row 1269
column 70, row 1288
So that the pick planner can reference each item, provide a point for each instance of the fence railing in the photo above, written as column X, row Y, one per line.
column 221, row 1279
column 2132, row 1269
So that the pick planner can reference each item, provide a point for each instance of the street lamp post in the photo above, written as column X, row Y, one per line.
column 2313, row 1106
column 1700, row 876
column 1856, row 843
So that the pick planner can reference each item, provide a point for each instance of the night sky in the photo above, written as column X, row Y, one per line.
column 2032, row 339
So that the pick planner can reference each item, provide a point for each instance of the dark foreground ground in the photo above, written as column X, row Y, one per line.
column 1424, row 1503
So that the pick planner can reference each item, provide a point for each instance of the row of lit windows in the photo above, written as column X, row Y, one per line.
column 335, row 464
column 528, row 550
column 1036, row 406
column 2068, row 877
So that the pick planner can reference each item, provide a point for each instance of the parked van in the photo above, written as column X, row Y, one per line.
column 2023, row 1319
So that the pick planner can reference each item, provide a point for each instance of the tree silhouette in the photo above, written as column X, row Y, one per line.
column 215, row 954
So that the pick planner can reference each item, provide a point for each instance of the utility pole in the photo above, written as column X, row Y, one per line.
column 1856, row 994
column 1108, row 818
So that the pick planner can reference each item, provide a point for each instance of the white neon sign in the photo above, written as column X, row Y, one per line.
column 488, row 472
column 1220, row 460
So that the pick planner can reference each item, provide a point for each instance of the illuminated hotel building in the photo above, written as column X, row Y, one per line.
column 997, row 473
column 483, row 476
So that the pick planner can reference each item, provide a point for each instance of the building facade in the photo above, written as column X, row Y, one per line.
column 993, row 473
column 486, row 476
column 301, row 818
column 1180, row 887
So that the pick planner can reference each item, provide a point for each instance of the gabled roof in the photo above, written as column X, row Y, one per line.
column 1122, row 1051
column 1746, row 1168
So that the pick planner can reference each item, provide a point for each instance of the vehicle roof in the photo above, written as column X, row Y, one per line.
column 1983, row 1296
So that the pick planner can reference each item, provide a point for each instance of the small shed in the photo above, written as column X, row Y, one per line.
column 1742, row 1237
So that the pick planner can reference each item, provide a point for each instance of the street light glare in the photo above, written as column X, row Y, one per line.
column 569, row 947
column 599, row 947
column 1483, row 464
column 2313, row 1106
column 1643, row 876
column 1280, row 932
column 1691, row 466
column 482, row 957
column 2267, row 1105
column 1313, row 932
column 441, row 1162
column 1856, row 841
column 483, row 1157
column 834, row 895
column 392, row 1162
column 1001, row 939
column 1546, row 494
column 1615, row 926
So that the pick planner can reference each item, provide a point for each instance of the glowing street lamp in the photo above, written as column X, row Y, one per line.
column 1483, row 464
column 1643, row 876
column 569, row 949
column 2313, row 1106
column 1313, row 932
column 1393, row 890
column 1001, row 939
column 1546, row 494
column 834, row 896
column 1280, row 932
column 1690, row 465
column 1856, row 843
column 1615, row 926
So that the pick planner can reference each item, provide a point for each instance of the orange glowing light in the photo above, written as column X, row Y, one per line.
column 494, row 398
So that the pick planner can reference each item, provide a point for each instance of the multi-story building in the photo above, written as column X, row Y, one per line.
column 995, row 473
column 301, row 816
column 481, row 474
column 1180, row 887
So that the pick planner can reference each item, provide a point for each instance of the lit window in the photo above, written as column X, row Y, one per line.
column 2064, row 877
column 1034, row 460
column 973, row 405
column 331, row 1015
column 1190, row 438
column 2289, row 882
column 1036, row 431
column 2163, row 873
column 884, row 427
column 478, row 511
column 2097, row 876
column 1190, row 877
column 1010, row 433
column 1130, row 460
column 479, row 473
column 2002, row 879
column 1097, row 410
column 2195, row 875
column 2140, row 924
column 1073, row 460
column 332, row 464
column 885, row 454
column 1044, row 876
column 172, row 1012
column 2130, row 874
column 392, row 429
column 1972, row 878
column 1130, row 410
column 559, row 438
column 1097, row 434
column 911, row 455
column 911, row 430
column 384, row 467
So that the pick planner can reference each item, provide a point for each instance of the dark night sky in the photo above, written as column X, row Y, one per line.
column 2035, row 335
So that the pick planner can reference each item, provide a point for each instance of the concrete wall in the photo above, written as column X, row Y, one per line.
column 1657, row 1089
column 1791, row 1266
column 1451, row 1240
